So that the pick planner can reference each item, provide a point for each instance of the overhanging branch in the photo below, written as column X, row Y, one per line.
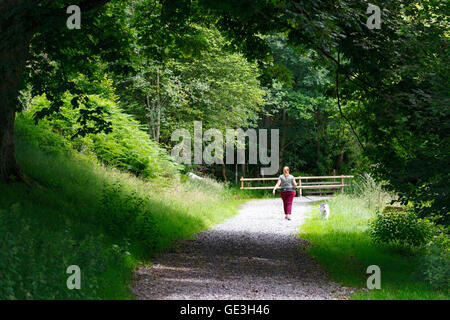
column 339, row 101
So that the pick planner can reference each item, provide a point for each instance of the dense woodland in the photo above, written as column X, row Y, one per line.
column 346, row 98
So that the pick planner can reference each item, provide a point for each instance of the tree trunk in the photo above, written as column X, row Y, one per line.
column 224, row 171
column 149, row 110
column 341, row 158
column 158, row 110
column 15, row 41
column 283, row 137
column 243, row 171
column 267, row 121
column 319, row 137
column 9, row 169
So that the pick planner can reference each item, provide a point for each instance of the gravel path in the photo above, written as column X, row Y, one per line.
column 253, row 255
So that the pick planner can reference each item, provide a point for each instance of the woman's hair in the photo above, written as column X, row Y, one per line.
column 285, row 168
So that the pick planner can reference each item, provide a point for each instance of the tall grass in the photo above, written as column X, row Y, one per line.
column 343, row 246
column 128, row 146
column 78, row 211
column 369, row 192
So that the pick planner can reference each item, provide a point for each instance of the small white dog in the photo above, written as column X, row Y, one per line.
column 324, row 210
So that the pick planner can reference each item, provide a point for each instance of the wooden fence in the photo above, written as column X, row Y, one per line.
column 313, row 185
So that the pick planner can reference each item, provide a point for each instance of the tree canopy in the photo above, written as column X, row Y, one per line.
column 385, row 89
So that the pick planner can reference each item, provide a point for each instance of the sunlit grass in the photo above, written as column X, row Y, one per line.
column 68, row 216
column 343, row 246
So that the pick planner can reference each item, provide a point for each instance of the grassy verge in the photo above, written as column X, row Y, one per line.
column 343, row 246
column 106, row 221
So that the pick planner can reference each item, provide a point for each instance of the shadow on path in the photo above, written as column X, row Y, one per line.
column 253, row 255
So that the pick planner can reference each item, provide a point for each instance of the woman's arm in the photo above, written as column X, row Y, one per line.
column 294, row 183
column 276, row 186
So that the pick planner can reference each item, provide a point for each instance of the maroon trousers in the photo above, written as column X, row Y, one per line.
column 287, row 197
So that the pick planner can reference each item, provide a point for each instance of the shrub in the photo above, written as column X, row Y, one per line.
column 441, row 238
column 128, row 146
column 402, row 228
column 435, row 268
column 40, row 136
column 126, row 215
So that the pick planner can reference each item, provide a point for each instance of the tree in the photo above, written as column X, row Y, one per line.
column 395, row 77
column 398, row 76
column 158, row 42
column 37, row 48
column 36, row 42
column 214, row 85
column 313, row 136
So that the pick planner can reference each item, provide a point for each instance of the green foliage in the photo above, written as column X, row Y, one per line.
column 435, row 265
column 366, row 189
column 402, row 228
column 37, row 245
column 435, row 268
column 125, row 215
column 441, row 237
column 208, row 186
column 173, row 64
column 216, row 86
column 313, row 136
column 53, row 65
column 78, row 212
column 344, row 247
column 391, row 82
column 41, row 136
column 128, row 146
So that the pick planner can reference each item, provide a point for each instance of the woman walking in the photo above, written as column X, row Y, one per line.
column 288, row 186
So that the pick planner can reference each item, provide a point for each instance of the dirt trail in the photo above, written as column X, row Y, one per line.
column 253, row 255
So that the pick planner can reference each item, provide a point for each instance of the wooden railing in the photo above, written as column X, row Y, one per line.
column 305, row 183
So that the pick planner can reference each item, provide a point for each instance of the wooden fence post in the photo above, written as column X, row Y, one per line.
column 300, row 186
column 242, row 183
column 342, row 183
